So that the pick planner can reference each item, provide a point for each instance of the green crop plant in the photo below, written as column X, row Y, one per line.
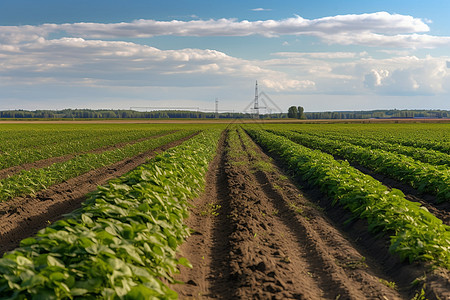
column 30, row 146
column 34, row 180
column 122, row 243
column 415, row 233
column 430, row 156
column 422, row 176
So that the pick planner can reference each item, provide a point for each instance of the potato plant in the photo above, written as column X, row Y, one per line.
column 123, row 241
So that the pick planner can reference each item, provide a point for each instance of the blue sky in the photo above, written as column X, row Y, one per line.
column 323, row 55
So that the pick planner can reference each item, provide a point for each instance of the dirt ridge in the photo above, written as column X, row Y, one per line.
column 267, row 241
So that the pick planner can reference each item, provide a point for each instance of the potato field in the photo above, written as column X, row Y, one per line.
column 229, row 211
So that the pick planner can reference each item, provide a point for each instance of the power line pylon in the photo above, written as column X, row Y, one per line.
column 255, row 103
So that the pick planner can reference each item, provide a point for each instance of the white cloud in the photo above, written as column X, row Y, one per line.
column 395, row 52
column 321, row 55
column 414, row 41
column 288, row 85
column 382, row 22
column 261, row 9
column 30, row 58
column 359, row 73
column 111, row 63
column 374, row 29
column 375, row 78
column 408, row 75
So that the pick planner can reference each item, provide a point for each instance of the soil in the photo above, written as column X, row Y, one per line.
column 256, row 235
column 22, row 217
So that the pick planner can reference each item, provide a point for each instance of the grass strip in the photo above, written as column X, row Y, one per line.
column 122, row 242
column 415, row 233
column 34, row 180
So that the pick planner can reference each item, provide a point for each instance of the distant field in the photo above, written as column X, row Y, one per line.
column 352, row 209
column 219, row 121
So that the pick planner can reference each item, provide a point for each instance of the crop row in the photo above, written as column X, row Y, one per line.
column 415, row 233
column 20, row 151
column 422, row 154
column 434, row 138
column 34, row 180
column 123, row 242
column 422, row 176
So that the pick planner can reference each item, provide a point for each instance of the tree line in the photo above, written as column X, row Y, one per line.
column 295, row 112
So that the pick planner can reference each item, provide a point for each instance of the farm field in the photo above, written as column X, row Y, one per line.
column 235, row 211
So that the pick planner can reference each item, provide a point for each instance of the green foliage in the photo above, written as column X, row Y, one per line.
column 26, row 146
column 301, row 113
column 418, row 153
column 34, row 180
column 122, row 242
column 422, row 176
column 293, row 112
column 416, row 234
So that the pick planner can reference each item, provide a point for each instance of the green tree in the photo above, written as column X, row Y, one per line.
column 292, row 112
column 300, row 113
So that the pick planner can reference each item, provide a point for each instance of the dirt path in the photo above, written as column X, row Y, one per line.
column 257, row 236
column 22, row 217
column 49, row 161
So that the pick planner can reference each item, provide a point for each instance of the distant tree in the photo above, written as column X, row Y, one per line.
column 300, row 113
column 292, row 112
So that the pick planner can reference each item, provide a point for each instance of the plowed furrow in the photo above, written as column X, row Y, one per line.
column 267, row 241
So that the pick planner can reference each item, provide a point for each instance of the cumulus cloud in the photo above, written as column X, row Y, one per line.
column 408, row 75
column 375, row 78
column 28, row 55
column 374, row 29
column 97, row 62
column 359, row 73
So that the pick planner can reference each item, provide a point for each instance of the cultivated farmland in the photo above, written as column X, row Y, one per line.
column 237, row 211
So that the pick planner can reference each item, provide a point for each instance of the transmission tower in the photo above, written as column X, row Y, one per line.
column 255, row 103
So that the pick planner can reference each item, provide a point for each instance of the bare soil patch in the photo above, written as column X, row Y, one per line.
column 22, row 217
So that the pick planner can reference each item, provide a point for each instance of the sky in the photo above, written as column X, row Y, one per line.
column 323, row 55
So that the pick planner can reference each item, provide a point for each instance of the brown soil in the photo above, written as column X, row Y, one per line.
column 49, row 161
column 22, row 217
column 257, row 236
